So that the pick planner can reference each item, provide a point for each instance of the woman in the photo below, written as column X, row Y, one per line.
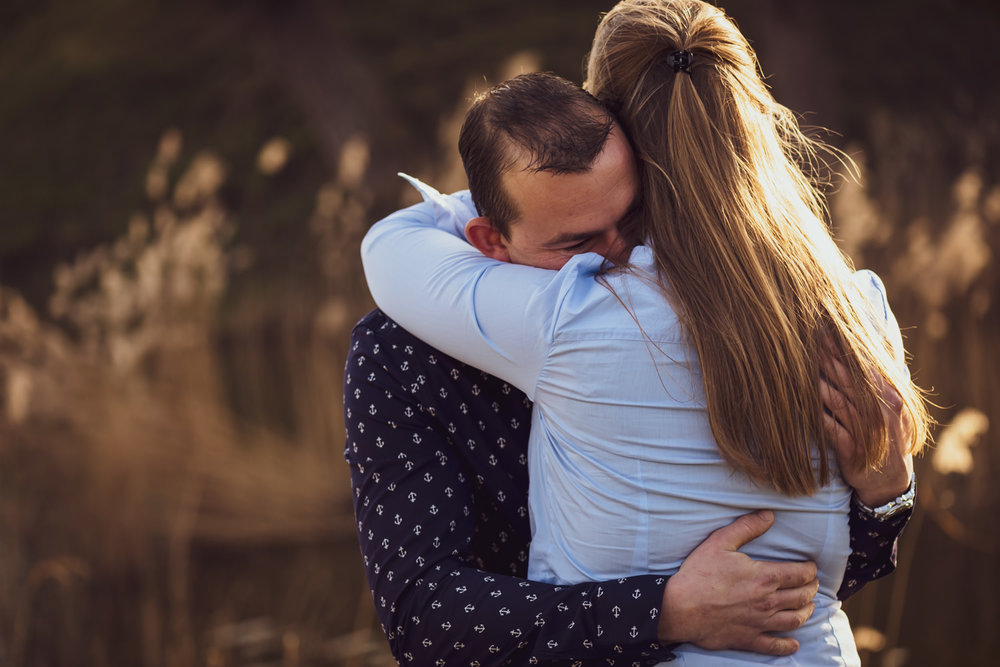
column 680, row 390
column 718, row 153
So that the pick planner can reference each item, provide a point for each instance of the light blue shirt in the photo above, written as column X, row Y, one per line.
column 625, row 475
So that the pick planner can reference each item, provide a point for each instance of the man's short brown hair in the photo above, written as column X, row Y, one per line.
column 537, row 121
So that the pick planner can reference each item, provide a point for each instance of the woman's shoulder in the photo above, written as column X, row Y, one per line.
column 872, row 289
column 622, row 302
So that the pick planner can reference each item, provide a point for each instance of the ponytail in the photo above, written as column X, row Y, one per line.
column 741, row 246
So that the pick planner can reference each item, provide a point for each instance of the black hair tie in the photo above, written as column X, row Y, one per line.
column 680, row 61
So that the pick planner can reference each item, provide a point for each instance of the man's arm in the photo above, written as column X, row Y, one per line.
column 441, row 518
column 873, row 538
column 873, row 548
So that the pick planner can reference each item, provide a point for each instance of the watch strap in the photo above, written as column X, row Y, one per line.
column 894, row 506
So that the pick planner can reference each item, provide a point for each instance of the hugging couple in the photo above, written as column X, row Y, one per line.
column 639, row 308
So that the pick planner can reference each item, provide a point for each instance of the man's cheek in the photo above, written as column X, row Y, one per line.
column 560, row 262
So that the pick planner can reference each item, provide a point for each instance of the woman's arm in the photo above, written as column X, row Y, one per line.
column 494, row 315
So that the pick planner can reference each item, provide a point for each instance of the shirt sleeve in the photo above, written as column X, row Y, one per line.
column 451, row 212
column 416, row 519
column 494, row 315
column 871, row 287
column 873, row 548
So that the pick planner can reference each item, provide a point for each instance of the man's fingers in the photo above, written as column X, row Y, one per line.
column 830, row 364
column 835, row 370
column 834, row 399
column 795, row 599
column 838, row 405
column 842, row 441
column 836, row 431
column 791, row 575
column 786, row 621
column 769, row 645
column 741, row 531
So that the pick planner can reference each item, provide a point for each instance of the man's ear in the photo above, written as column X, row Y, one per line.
column 486, row 239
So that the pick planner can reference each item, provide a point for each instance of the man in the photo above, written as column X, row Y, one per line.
column 437, row 454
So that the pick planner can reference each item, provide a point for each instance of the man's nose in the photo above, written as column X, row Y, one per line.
column 615, row 248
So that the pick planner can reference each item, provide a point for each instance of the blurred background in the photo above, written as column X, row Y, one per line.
column 183, row 188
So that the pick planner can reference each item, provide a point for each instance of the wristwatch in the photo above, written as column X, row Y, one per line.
column 895, row 506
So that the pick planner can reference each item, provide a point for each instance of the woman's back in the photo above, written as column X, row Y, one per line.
column 626, row 476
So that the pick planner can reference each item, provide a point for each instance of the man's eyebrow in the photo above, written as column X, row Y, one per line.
column 571, row 237
column 634, row 206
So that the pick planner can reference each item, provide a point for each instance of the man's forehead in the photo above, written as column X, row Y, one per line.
column 568, row 224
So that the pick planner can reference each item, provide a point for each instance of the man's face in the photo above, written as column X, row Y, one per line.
column 562, row 215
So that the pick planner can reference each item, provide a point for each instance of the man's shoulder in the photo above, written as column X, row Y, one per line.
column 375, row 323
column 378, row 333
column 380, row 345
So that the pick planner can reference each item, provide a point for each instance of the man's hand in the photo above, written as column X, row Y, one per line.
column 723, row 599
column 873, row 487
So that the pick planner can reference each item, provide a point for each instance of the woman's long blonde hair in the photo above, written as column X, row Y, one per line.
column 741, row 243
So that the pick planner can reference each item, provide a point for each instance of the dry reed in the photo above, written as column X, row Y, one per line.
column 129, row 463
